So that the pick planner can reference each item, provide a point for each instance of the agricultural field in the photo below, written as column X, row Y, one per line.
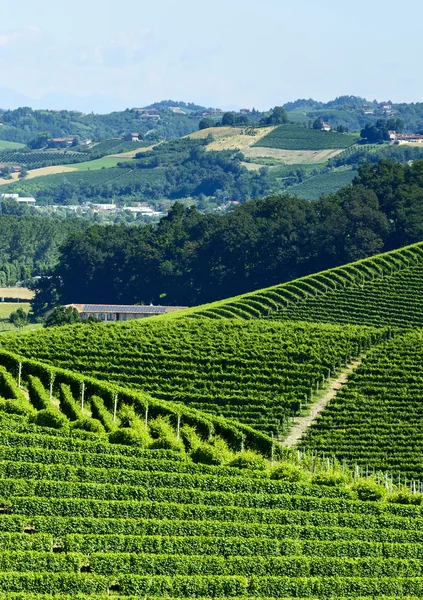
column 384, row 290
column 376, row 419
column 324, row 183
column 87, row 518
column 255, row 372
column 5, row 145
column 295, row 137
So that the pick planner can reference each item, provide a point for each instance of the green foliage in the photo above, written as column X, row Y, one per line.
column 250, row 460
column 369, row 491
column 295, row 137
column 330, row 478
column 49, row 417
column 62, row 315
column 287, row 472
column 19, row 318
column 164, row 435
column 87, row 424
column 215, row 452
column 249, row 370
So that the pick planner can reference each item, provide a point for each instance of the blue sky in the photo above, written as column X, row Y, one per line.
column 103, row 55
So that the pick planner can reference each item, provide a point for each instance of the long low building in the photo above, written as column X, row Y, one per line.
column 121, row 312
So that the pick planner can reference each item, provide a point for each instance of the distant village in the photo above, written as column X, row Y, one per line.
column 139, row 208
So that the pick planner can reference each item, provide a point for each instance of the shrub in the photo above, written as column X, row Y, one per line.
column 369, row 490
column 250, row 460
column 190, row 437
column 164, row 435
column 213, row 453
column 330, row 478
column 100, row 412
column 130, row 437
column 49, row 417
column 287, row 472
column 87, row 424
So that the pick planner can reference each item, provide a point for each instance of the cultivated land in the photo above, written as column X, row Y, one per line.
column 292, row 157
column 130, row 492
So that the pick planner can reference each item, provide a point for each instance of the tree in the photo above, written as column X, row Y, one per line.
column 63, row 315
column 206, row 123
column 39, row 142
column 278, row 116
column 19, row 318
column 228, row 119
column 318, row 124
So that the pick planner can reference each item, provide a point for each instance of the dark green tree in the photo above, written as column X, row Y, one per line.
column 317, row 124
column 62, row 315
column 19, row 318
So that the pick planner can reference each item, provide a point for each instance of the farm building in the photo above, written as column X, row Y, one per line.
column 132, row 137
column 121, row 312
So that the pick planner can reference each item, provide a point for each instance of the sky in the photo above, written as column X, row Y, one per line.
column 99, row 55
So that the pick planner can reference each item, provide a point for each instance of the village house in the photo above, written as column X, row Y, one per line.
column 62, row 142
column 121, row 312
column 132, row 137
column 326, row 126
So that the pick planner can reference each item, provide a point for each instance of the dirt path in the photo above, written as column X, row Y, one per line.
column 303, row 423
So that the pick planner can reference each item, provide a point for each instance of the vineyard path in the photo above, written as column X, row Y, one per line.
column 303, row 423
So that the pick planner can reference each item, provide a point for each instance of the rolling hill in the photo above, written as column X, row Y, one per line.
column 114, row 484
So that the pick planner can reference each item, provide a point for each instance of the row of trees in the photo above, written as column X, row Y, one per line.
column 191, row 258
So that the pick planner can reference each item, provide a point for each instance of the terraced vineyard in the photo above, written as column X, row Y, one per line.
column 296, row 137
column 255, row 372
column 376, row 419
column 82, row 518
column 384, row 290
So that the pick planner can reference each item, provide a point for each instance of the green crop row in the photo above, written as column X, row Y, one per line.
column 211, row 586
column 220, row 368
column 375, row 419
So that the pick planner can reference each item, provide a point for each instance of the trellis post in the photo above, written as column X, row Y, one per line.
column 146, row 416
column 19, row 375
column 178, row 428
column 82, row 395
column 115, row 399
column 51, row 384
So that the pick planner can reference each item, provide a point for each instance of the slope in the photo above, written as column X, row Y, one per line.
column 384, row 290
column 256, row 372
column 376, row 419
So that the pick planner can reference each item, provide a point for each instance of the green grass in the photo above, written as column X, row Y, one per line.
column 6, row 308
column 295, row 137
column 5, row 145
column 325, row 183
column 106, row 162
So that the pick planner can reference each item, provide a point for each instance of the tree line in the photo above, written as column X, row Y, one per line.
column 191, row 258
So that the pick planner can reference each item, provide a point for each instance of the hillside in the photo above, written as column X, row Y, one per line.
column 129, row 491
column 295, row 137
column 384, row 290
column 375, row 421
column 255, row 372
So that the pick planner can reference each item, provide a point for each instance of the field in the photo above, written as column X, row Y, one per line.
column 215, row 366
column 5, row 145
column 325, row 183
column 291, row 157
column 295, row 137
column 6, row 308
column 231, row 138
column 145, row 459
column 101, row 163
column 86, row 518
column 16, row 292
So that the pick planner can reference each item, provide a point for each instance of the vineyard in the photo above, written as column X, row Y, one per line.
column 376, row 419
column 256, row 372
column 83, row 516
column 143, row 459
column 384, row 290
column 296, row 137
column 36, row 160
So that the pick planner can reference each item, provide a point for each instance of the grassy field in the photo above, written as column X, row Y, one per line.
column 5, row 145
column 292, row 157
column 106, row 162
column 326, row 183
column 6, row 308
column 295, row 137
column 16, row 292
